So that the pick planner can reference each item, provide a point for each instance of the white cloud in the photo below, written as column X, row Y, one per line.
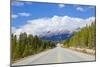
column 24, row 14
column 13, row 30
column 18, row 3
column 53, row 25
column 14, row 3
column 61, row 5
column 91, row 7
column 80, row 9
column 14, row 16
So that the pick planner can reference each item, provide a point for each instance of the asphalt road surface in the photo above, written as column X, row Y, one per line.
column 55, row 55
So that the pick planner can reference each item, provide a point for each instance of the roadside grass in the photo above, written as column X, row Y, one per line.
column 84, row 50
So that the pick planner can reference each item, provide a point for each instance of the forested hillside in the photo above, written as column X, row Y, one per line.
column 27, row 45
column 85, row 38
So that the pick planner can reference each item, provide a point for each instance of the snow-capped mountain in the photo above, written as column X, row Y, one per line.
column 57, row 35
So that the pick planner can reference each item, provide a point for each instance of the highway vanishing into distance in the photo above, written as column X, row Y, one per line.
column 55, row 55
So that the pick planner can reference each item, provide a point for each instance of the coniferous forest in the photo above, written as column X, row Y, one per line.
column 26, row 45
column 85, row 38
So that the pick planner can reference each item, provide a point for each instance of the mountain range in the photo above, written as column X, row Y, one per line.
column 57, row 36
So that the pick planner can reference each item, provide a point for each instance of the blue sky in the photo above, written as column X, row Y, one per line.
column 39, row 10
column 32, row 16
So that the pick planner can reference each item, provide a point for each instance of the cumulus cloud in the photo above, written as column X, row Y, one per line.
column 53, row 25
column 24, row 14
column 61, row 5
column 14, row 16
column 80, row 9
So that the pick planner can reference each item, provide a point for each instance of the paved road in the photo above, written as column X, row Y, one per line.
column 56, row 55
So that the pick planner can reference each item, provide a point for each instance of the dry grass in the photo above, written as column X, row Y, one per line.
column 84, row 50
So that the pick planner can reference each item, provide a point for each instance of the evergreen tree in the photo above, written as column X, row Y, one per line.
column 85, row 38
column 27, row 45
